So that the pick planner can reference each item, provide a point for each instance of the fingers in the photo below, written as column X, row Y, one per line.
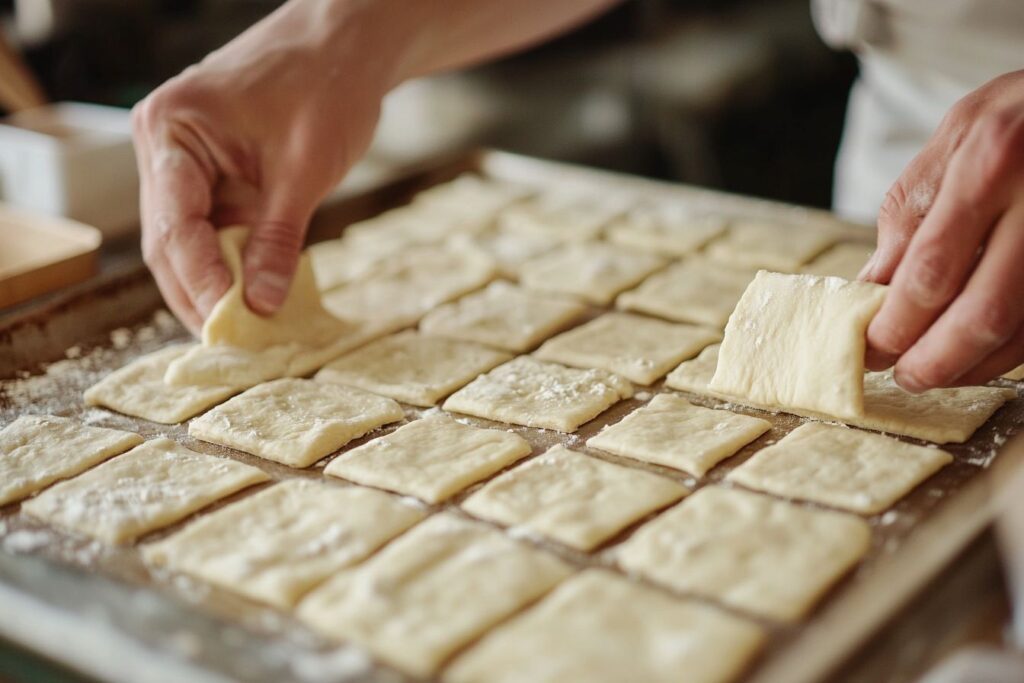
column 998, row 363
column 272, row 252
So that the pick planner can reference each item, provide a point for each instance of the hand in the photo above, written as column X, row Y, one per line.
column 256, row 134
column 978, row 665
column 951, row 245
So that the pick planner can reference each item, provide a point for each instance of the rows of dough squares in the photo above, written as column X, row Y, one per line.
column 363, row 565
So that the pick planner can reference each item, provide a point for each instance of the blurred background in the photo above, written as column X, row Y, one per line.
column 740, row 95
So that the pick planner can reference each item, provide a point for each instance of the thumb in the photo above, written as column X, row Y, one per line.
column 271, row 256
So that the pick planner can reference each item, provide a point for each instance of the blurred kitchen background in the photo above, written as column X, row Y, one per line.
column 740, row 95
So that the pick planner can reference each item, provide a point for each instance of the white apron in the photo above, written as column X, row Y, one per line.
column 918, row 57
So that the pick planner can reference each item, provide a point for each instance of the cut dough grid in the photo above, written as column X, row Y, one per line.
column 541, row 440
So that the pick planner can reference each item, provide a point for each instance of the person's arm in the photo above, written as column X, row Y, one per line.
column 262, row 129
column 951, row 246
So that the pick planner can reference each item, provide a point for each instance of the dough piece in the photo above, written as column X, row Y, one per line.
column 1016, row 375
column 666, row 229
column 693, row 290
column 840, row 467
column 797, row 342
column 413, row 368
column 294, row 421
column 37, row 450
column 938, row 415
column 640, row 349
column 750, row 551
column 504, row 316
column 150, row 487
column 844, row 260
column 339, row 261
column 138, row 389
column 430, row 592
column 568, row 219
column 275, row 546
column 432, row 458
column 573, row 498
column 403, row 288
column 509, row 250
column 594, row 271
column 602, row 628
column 472, row 196
column 774, row 246
column 673, row 432
column 526, row 391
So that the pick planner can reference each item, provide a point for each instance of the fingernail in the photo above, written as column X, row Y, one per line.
column 910, row 383
column 267, row 292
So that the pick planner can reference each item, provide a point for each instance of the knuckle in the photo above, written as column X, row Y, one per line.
column 928, row 281
column 992, row 323
column 889, row 337
column 1001, row 137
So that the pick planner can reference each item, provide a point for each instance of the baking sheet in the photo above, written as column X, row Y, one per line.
column 100, row 609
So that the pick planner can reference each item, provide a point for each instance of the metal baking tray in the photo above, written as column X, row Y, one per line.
column 101, row 611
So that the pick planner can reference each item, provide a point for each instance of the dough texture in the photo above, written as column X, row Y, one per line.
column 694, row 290
column 430, row 592
column 151, row 486
column 573, row 498
column 673, row 432
column 844, row 260
column 568, row 219
column 504, row 316
column 1017, row 374
column 840, row 467
column 510, row 250
column 638, row 348
column 294, row 421
column 752, row 552
column 594, row 271
column 413, row 368
column 774, row 246
column 526, row 391
column 666, row 229
column 138, row 389
column 276, row 545
column 473, row 196
column 797, row 342
column 601, row 628
column 37, row 450
column 432, row 458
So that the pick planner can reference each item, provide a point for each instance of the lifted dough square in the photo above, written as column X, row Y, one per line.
column 526, row 391
column 602, row 628
column 840, row 467
column 430, row 592
column 797, row 341
column 138, row 389
column 693, row 290
column 844, row 260
column 278, row 544
column 152, row 486
column 504, row 316
column 412, row 368
column 752, row 552
column 295, row 421
column 594, row 271
column 573, row 498
column 37, row 450
column 666, row 229
column 433, row 458
column 673, row 432
column 773, row 246
column 640, row 349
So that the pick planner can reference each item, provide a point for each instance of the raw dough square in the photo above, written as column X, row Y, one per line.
column 138, row 389
column 844, row 260
column 432, row 458
column 152, row 486
column 594, row 271
column 278, row 544
column 566, row 218
column 797, row 341
column 840, row 467
column 504, row 316
column 693, row 290
column 750, row 551
column 601, row 628
column 673, row 432
column 640, row 349
column 404, row 287
column 670, row 229
column 694, row 375
column 773, row 246
column 295, row 421
column 472, row 196
column 1016, row 375
column 510, row 250
column 526, row 391
column 430, row 592
column 573, row 498
column 37, row 450
column 412, row 368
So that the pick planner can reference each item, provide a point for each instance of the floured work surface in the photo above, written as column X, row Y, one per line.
column 184, row 618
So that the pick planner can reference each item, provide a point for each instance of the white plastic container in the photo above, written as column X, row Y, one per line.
column 73, row 160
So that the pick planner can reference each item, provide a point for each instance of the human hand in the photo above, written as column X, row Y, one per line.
column 978, row 665
column 951, row 247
